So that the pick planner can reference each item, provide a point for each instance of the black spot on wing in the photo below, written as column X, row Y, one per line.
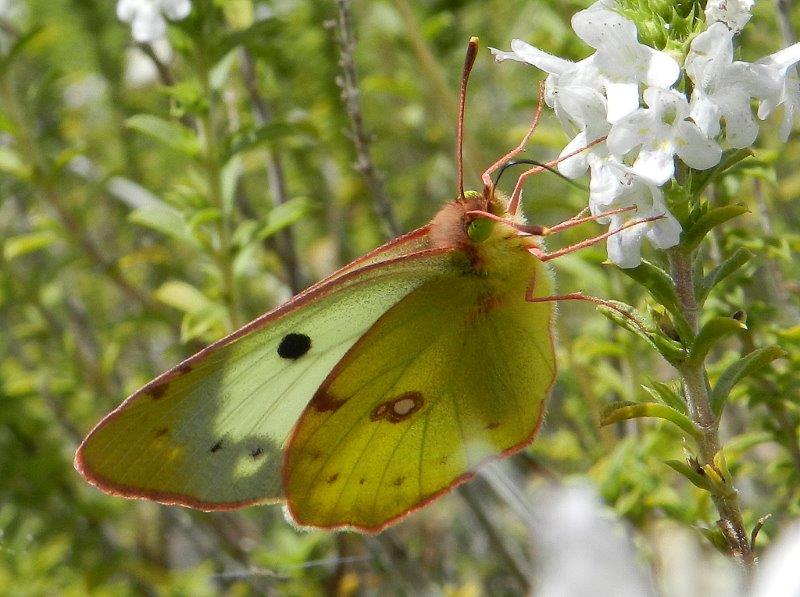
column 216, row 447
column 293, row 346
column 256, row 452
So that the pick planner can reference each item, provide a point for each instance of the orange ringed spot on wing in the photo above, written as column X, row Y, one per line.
column 398, row 409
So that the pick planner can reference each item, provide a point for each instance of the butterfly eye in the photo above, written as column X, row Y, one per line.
column 479, row 229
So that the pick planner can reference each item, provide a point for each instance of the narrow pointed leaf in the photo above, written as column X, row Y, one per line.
column 660, row 286
column 687, row 471
column 722, row 271
column 670, row 350
column 752, row 363
column 622, row 411
column 714, row 217
column 172, row 134
column 711, row 333
column 666, row 395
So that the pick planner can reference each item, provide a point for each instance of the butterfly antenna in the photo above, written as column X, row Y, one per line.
column 472, row 52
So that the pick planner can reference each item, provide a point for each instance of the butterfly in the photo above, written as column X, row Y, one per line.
column 367, row 395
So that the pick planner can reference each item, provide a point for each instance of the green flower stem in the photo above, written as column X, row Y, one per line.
column 696, row 391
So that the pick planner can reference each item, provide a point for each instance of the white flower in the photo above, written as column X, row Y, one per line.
column 625, row 188
column 146, row 17
column 617, row 68
column 723, row 88
column 621, row 60
column 778, row 66
column 568, row 83
column 662, row 130
column 734, row 13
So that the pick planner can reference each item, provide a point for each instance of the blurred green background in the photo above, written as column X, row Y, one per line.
column 149, row 206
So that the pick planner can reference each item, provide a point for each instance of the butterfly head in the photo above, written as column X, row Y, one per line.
column 481, row 228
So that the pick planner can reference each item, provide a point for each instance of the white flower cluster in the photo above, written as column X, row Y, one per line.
column 601, row 96
column 147, row 17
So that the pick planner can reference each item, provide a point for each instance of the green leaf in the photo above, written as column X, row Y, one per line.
column 230, row 175
column 204, row 216
column 665, row 394
column 17, row 246
column 202, row 316
column 731, row 157
column 660, row 286
column 622, row 411
column 12, row 163
column 284, row 215
column 166, row 221
column 172, row 134
column 748, row 365
column 183, row 296
column 669, row 349
column 18, row 47
column 717, row 539
column 221, row 70
column 712, row 218
column 267, row 134
column 711, row 333
column 696, row 477
column 740, row 257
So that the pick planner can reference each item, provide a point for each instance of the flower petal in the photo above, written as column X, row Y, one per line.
column 705, row 113
column 524, row 52
column 657, row 166
column 694, row 148
column 623, row 98
column 575, row 166
column 625, row 247
column 631, row 131
column 662, row 69
column 666, row 232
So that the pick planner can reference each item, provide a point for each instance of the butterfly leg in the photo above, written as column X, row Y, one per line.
column 545, row 256
column 536, row 230
column 580, row 296
column 486, row 177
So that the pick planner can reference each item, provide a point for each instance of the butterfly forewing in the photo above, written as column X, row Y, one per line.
column 209, row 433
column 455, row 373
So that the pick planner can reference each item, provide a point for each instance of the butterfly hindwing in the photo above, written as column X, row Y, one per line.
column 454, row 374
column 209, row 433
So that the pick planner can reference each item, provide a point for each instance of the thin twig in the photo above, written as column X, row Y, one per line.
column 351, row 96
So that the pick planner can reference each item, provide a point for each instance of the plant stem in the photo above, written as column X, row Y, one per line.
column 695, row 384
column 351, row 96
